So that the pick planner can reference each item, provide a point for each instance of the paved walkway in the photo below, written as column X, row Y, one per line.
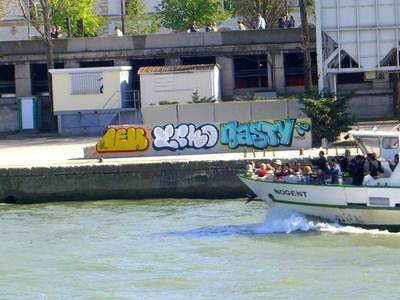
column 57, row 151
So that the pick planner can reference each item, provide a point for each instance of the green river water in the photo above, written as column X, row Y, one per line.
column 189, row 249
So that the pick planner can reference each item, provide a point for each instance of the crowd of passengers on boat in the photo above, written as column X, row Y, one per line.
column 346, row 169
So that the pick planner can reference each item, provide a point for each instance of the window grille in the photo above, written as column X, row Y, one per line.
column 87, row 83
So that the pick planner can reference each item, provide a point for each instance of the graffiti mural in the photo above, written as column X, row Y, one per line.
column 262, row 134
column 123, row 140
column 189, row 138
column 184, row 136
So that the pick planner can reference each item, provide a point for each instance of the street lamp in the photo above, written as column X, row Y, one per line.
column 123, row 16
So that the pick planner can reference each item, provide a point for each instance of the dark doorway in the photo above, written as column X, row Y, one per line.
column 137, row 64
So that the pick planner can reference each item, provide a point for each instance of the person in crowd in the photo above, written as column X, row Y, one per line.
column 344, row 163
column 214, row 27
column 393, row 164
column 291, row 22
column 193, row 27
column 321, row 165
column 290, row 177
column 334, row 172
column 260, row 22
column 241, row 26
column 297, row 171
column 117, row 31
column 270, row 173
column 286, row 169
column 249, row 171
column 262, row 171
column 279, row 174
column 374, row 166
column 282, row 22
column 307, row 175
column 357, row 170
column 55, row 32
column 209, row 28
column 253, row 164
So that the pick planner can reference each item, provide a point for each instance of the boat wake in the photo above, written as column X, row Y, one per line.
column 280, row 221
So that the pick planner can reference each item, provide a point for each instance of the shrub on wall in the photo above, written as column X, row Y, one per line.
column 328, row 114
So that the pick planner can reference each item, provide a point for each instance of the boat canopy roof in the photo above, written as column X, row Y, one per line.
column 371, row 133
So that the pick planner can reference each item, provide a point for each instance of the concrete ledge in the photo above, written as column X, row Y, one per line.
column 239, row 111
column 192, row 113
column 157, row 115
column 273, row 109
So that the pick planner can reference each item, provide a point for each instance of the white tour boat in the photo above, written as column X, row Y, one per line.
column 375, row 205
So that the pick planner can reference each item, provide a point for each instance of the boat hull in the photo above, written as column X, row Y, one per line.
column 375, row 207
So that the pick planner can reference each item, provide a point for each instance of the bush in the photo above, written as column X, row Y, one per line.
column 197, row 99
column 164, row 102
column 328, row 114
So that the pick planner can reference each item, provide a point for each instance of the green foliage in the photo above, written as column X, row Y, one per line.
column 248, row 98
column 271, row 10
column 138, row 21
column 178, row 14
column 165, row 102
column 328, row 114
column 197, row 99
column 76, row 9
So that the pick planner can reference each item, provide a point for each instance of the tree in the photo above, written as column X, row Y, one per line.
column 137, row 20
column 39, row 16
column 328, row 114
column 305, row 30
column 77, row 10
column 271, row 10
column 45, row 14
column 3, row 7
column 178, row 14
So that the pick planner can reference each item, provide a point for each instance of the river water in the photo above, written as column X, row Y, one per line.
column 189, row 249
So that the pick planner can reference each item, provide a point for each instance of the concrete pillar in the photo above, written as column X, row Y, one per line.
column 23, row 85
column 173, row 61
column 270, row 71
column 71, row 64
column 279, row 73
column 122, row 62
column 227, row 76
column 396, row 93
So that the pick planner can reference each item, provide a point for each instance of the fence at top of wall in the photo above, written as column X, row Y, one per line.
column 223, row 112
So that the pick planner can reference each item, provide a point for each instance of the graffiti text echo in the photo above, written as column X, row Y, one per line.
column 123, row 140
column 261, row 134
column 184, row 136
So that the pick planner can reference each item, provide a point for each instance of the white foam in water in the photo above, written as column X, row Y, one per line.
column 280, row 220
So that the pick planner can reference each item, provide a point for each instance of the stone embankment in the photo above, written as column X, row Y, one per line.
column 195, row 179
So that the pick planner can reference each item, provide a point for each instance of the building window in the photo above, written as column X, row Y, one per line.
column 251, row 71
column 87, row 83
column 294, row 68
column 7, row 79
column 348, row 78
column 96, row 64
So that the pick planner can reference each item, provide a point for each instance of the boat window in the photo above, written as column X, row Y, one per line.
column 390, row 143
column 371, row 144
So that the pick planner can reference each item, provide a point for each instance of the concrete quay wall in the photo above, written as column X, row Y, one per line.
column 195, row 179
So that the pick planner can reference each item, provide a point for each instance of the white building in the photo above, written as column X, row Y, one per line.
column 178, row 83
